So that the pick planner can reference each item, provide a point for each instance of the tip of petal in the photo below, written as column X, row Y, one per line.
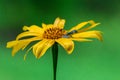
column 13, row 54
column 11, row 44
column 8, row 45
column 57, row 19
column 38, row 56
column 100, row 36
column 70, row 52
column 92, row 22
column 25, row 57
column 25, row 28
column 44, row 25
column 70, row 49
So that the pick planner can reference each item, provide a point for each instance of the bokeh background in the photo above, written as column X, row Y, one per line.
column 89, row 61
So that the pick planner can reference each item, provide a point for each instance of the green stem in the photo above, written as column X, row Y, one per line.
column 55, row 58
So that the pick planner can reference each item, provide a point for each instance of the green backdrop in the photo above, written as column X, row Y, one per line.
column 89, row 61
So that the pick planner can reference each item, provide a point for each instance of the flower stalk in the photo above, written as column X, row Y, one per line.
column 55, row 58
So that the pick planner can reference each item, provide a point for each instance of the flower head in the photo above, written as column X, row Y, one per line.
column 51, row 33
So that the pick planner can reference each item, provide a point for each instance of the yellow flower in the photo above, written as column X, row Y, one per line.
column 51, row 33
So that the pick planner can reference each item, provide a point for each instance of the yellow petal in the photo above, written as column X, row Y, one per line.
column 36, row 46
column 88, row 34
column 33, row 28
column 67, row 44
column 44, row 25
column 80, row 39
column 61, row 23
column 32, row 31
column 93, row 24
column 11, row 44
column 41, row 47
column 17, row 45
column 28, row 49
column 27, row 53
column 29, row 41
column 79, row 26
column 57, row 20
column 28, row 34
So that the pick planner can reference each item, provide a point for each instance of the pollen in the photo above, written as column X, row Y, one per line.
column 53, row 33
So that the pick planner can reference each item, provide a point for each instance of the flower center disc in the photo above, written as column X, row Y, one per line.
column 53, row 33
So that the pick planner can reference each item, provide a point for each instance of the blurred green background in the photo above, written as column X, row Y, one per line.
column 89, row 61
